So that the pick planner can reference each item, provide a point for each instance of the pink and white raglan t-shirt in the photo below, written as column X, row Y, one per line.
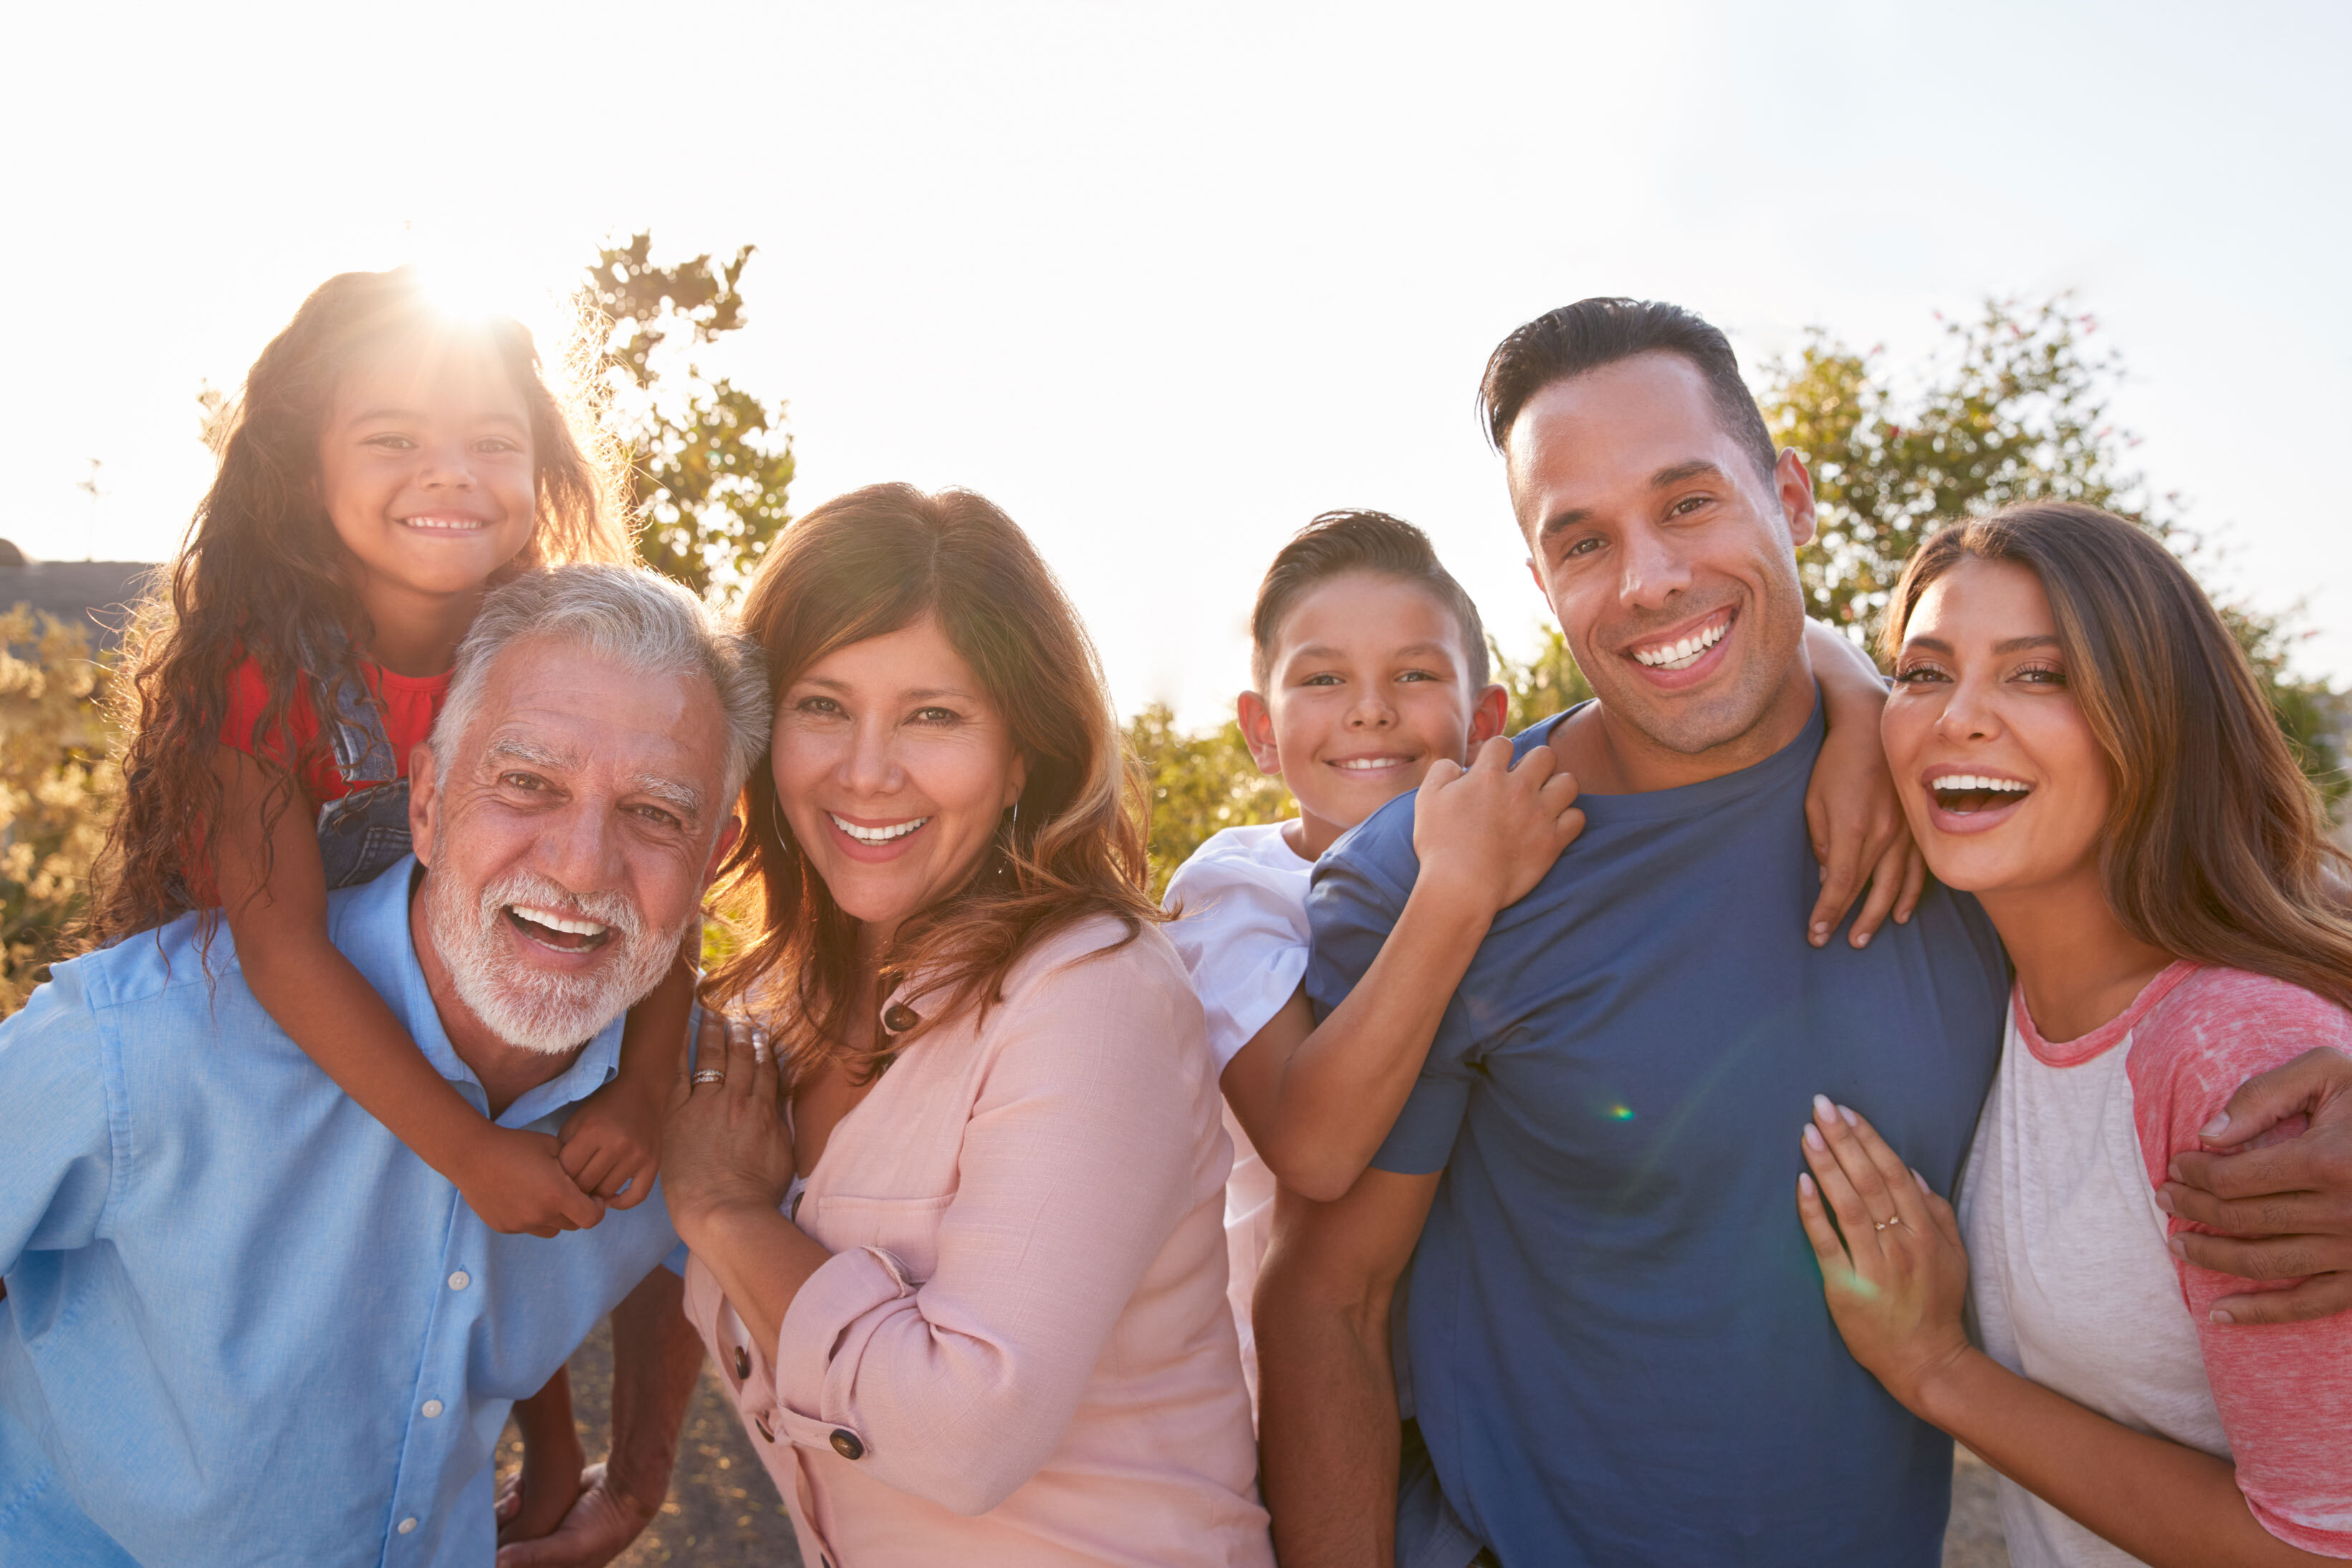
column 2070, row 1283
column 1243, row 937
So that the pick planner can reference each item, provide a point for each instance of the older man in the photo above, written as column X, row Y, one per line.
column 242, row 1323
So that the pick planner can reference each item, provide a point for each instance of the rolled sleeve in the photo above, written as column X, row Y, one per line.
column 57, row 1166
column 1085, row 1148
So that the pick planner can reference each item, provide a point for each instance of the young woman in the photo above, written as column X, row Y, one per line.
column 2081, row 744
column 958, row 1241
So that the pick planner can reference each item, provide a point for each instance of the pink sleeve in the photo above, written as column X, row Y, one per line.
column 2285, row 1392
column 1084, row 1150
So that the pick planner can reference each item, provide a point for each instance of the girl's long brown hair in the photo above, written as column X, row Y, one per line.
column 263, row 576
column 874, row 561
column 2215, row 846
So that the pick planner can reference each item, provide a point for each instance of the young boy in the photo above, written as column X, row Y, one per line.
column 1369, row 674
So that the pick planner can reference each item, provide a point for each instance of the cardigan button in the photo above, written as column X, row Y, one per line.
column 845, row 1444
column 900, row 1018
column 742, row 1364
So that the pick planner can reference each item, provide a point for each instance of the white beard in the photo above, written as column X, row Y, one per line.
column 528, row 1007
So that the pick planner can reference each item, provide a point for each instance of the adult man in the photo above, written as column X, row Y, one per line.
column 242, row 1323
column 1617, row 1347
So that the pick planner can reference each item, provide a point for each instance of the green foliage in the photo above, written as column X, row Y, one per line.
column 57, row 789
column 1199, row 784
column 1540, row 686
column 709, row 462
column 2014, row 409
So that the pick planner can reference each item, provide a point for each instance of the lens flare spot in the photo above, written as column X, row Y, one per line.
column 1621, row 1113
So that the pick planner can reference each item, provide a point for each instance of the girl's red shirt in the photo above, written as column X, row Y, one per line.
column 410, row 704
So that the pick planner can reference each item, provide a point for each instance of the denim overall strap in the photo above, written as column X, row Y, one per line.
column 366, row 832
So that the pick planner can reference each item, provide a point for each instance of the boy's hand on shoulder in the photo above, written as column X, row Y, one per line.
column 612, row 1142
column 1487, row 834
column 516, row 1182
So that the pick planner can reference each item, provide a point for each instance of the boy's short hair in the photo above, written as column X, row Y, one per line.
column 1337, row 543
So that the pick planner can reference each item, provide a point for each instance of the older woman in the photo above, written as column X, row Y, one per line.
column 957, row 1237
column 2080, row 743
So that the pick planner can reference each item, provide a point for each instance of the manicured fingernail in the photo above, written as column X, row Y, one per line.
column 1862, row 938
column 1813, row 1138
column 1804, row 1184
column 2176, row 1246
column 1822, row 1109
column 1850, row 1117
column 2173, row 1170
column 2164, row 1200
column 1820, row 935
column 2216, row 1127
column 1922, row 1181
column 2219, row 1316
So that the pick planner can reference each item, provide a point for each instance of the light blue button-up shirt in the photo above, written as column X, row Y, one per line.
column 244, row 1324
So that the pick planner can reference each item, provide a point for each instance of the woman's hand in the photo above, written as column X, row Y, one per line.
column 1856, row 824
column 727, row 1145
column 1897, row 1277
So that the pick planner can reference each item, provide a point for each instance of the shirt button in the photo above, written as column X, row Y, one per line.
column 460, row 1280
column 899, row 1017
column 742, row 1364
column 432, row 1408
column 845, row 1443
column 407, row 1525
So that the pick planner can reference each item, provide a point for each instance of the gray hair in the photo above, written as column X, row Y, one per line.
column 632, row 617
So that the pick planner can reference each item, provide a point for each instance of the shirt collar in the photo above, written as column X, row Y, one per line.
column 370, row 925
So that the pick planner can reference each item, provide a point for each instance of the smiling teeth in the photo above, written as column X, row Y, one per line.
column 877, row 835
column 1366, row 764
column 1681, row 656
column 447, row 524
column 558, row 922
column 1979, row 781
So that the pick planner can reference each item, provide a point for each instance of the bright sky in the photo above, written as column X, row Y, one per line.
column 1164, row 280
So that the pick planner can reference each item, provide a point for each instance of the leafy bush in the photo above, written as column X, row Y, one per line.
column 58, row 788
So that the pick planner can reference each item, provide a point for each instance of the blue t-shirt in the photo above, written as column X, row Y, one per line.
column 1618, row 1346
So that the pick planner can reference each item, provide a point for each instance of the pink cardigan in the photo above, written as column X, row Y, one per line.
column 1020, row 1353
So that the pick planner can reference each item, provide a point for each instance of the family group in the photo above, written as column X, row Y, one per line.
column 1649, row 1139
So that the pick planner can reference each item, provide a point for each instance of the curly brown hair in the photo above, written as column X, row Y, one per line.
column 875, row 561
column 263, row 576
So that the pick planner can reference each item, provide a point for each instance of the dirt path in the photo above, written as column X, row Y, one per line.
column 723, row 1512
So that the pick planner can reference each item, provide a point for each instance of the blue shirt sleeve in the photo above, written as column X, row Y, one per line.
column 56, row 1163
column 1360, row 886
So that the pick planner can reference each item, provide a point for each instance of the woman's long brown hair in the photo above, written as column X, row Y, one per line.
column 263, row 576
column 875, row 561
column 2215, row 847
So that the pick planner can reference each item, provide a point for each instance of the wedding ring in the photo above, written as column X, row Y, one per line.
column 1885, row 1223
column 710, row 1075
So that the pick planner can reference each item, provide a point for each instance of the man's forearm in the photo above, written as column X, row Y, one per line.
column 1327, row 1423
column 656, row 1356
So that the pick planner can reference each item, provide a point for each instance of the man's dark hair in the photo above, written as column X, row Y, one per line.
column 1337, row 543
column 1591, row 333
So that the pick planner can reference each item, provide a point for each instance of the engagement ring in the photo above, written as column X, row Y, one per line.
column 710, row 1075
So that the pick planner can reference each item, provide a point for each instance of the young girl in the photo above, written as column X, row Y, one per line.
column 386, row 466
column 2082, row 745
column 1370, row 673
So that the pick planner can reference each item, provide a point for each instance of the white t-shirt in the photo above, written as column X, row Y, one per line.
column 2070, row 1282
column 1243, row 936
